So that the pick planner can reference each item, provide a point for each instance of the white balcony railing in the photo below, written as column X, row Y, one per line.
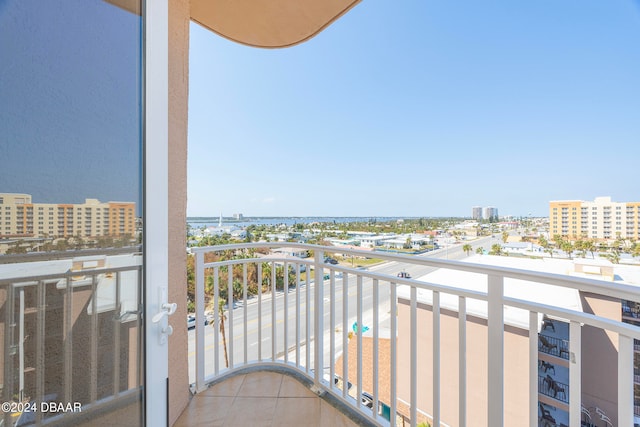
column 306, row 325
column 59, row 317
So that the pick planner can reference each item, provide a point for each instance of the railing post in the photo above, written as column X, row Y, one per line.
column 625, row 381
column 413, row 356
column 436, row 358
column 199, row 270
column 318, row 281
column 533, row 368
column 575, row 373
column 229, row 329
column 495, row 320
column 462, row 361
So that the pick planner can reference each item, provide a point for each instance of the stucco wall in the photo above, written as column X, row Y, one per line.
column 178, row 102
column 600, row 357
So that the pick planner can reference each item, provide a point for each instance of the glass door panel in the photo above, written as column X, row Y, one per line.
column 71, row 278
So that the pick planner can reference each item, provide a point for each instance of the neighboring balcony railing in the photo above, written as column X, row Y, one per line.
column 554, row 346
column 307, row 324
column 71, row 335
column 552, row 388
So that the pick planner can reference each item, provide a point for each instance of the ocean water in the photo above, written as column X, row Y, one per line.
column 197, row 222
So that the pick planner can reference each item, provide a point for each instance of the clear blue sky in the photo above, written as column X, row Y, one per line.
column 421, row 108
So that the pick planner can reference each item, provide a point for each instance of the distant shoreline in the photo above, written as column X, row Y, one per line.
column 202, row 219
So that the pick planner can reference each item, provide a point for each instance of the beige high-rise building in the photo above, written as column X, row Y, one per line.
column 20, row 217
column 600, row 219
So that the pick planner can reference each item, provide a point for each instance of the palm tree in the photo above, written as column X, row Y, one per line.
column 266, row 274
column 480, row 250
column 589, row 246
column 496, row 249
column 545, row 245
column 505, row 236
column 467, row 248
column 567, row 247
column 635, row 249
column 222, row 317
column 557, row 238
column 615, row 257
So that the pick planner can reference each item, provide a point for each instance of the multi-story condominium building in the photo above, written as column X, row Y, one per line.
column 20, row 217
column 601, row 219
column 476, row 212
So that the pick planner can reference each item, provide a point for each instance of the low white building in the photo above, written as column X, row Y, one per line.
column 279, row 237
column 522, row 248
column 416, row 241
column 294, row 252
column 342, row 242
column 373, row 241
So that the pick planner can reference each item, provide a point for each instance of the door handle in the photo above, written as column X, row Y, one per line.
column 161, row 317
column 166, row 309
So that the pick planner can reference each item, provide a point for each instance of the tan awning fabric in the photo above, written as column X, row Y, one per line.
column 268, row 23
column 133, row 6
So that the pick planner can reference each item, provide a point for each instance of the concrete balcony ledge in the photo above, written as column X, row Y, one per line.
column 268, row 394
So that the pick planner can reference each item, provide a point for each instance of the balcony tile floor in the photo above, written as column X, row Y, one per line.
column 260, row 399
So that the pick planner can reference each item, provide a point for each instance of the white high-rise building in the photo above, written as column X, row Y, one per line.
column 491, row 213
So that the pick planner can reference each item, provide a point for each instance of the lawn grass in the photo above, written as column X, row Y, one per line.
column 359, row 262
column 346, row 262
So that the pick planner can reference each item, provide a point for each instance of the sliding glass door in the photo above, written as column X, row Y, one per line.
column 73, row 213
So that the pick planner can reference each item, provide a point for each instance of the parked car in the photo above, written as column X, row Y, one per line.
column 404, row 275
column 383, row 409
column 331, row 261
column 191, row 321
column 338, row 381
column 367, row 399
column 208, row 317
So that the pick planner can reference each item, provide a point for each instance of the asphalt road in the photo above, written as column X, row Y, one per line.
column 260, row 318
